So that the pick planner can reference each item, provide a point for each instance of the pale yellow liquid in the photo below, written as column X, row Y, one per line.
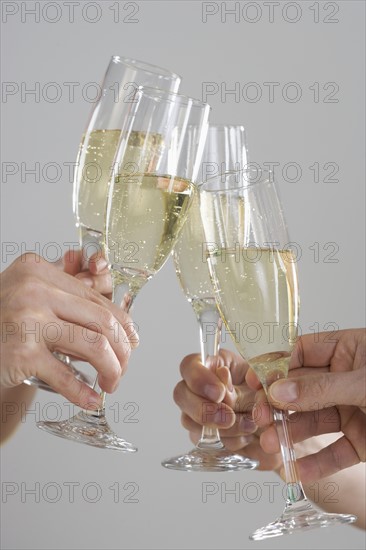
column 95, row 164
column 146, row 215
column 258, row 299
column 191, row 262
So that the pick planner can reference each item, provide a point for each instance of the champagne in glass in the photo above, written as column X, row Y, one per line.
column 255, row 280
column 146, row 215
column 99, row 143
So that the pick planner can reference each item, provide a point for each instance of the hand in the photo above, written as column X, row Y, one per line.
column 45, row 310
column 98, row 275
column 218, row 396
column 327, row 387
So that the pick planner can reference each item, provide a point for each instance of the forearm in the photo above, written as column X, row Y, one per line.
column 14, row 404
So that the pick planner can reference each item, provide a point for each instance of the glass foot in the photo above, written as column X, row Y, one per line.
column 210, row 460
column 88, row 429
column 299, row 519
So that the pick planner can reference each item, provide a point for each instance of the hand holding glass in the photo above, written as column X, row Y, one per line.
column 149, row 196
column 255, row 280
column 225, row 148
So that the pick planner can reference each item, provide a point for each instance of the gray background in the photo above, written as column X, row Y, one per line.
column 170, row 512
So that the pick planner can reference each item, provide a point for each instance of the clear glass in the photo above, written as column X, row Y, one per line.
column 255, row 280
column 95, row 158
column 225, row 149
column 149, row 196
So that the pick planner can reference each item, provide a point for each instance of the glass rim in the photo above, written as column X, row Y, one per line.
column 153, row 93
column 223, row 125
column 145, row 66
column 263, row 176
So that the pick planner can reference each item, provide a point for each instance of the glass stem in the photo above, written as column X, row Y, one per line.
column 210, row 332
column 122, row 295
column 294, row 489
column 90, row 242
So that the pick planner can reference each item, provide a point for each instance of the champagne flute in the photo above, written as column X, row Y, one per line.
column 225, row 150
column 99, row 143
column 95, row 157
column 255, row 279
column 146, row 210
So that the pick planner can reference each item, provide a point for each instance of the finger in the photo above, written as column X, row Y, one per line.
column 239, row 397
column 235, row 444
column 238, row 367
column 97, row 317
column 97, row 264
column 202, row 412
column 272, row 462
column 224, row 375
column 314, row 350
column 262, row 411
column 330, row 460
column 252, row 380
column 61, row 379
column 102, row 282
column 201, row 380
column 72, row 262
column 90, row 346
column 73, row 286
column 248, row 447
column 243, row 426
column 303, row 426
column 319, row 390
column 322, row 349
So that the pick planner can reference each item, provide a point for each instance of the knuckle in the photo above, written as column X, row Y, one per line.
column 33, row 288
column 29, row 259
column 178, row 394
column 28, row 294
column 336, row 459
column 109, row 380
column 66, row 379
column 82, row 396
column 234, row 443
column 123, row 354
column 317, row 387
column 187, row 361
column 186, row 422
column 125, row 347
column 15, row 374
column 106, row 318
column 131, row 330
column 100, row 345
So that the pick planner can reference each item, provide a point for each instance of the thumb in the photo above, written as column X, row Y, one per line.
column 319, row 390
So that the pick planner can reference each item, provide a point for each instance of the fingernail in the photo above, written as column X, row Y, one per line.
column 213, row 392
column 94, row 403
column 255, row 413
column 101, row 264
column 86, row 281
column 230, row 386
column 284, row 390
